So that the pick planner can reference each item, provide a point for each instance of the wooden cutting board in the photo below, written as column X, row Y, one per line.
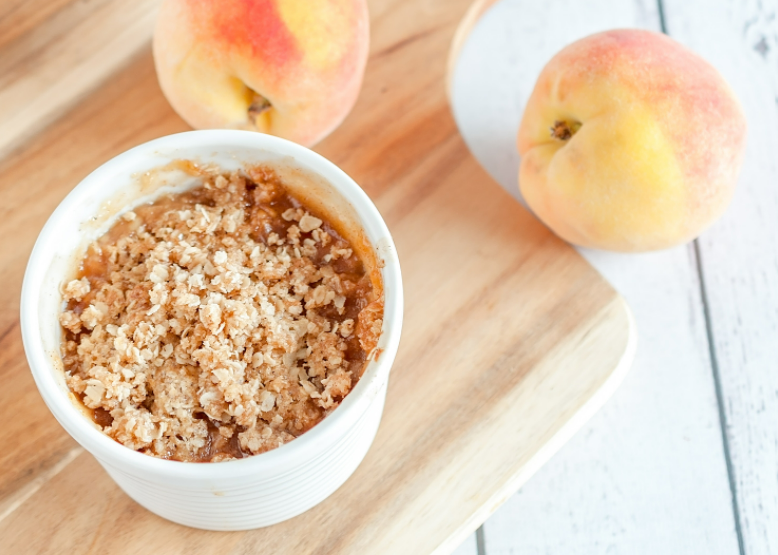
column 511, row 339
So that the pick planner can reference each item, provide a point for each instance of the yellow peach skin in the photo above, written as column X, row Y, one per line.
column 291, row 68
column 629, row 142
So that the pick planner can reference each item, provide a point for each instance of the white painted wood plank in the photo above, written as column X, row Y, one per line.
column 648, row 474
column 739, row 255
column 467, row 547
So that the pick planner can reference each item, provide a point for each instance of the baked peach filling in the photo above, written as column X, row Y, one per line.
column 219, row 323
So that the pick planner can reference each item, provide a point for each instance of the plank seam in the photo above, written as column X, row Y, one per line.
column 480, row 541
column 662, row 22
column 723, row 425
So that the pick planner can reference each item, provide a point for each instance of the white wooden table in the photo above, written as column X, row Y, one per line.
column 684, row 458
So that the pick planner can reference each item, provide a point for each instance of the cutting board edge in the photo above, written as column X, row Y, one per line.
column 590, row 407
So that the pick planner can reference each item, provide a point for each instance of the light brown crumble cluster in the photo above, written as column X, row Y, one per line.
column 218, row 323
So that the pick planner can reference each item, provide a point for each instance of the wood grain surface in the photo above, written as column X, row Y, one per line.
column 508, row 335
column 52, row 52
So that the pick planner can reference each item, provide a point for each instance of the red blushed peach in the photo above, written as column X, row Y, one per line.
column 291, row 68
column 630, row 142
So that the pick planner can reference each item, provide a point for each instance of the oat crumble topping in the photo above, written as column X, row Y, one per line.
column 218, row 323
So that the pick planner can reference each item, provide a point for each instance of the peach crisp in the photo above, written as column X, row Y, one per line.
column 220, row 322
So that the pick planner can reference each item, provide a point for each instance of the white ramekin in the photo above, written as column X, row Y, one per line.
column 236, row 495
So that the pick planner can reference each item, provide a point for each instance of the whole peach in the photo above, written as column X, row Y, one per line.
column 291, row 68
column 630, row 142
